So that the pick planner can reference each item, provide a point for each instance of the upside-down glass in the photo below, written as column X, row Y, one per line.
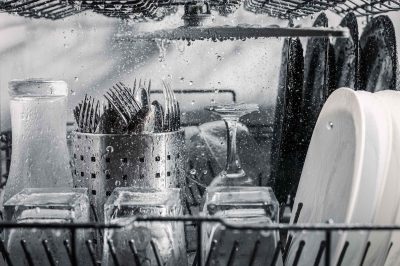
column 40, row 157
column 156, row 243
column 44, row 206
column 234, row 196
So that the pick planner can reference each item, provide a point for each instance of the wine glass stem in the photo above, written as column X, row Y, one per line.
column 233, row 166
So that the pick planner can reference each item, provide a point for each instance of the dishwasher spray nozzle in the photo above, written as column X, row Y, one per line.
column 196, row 13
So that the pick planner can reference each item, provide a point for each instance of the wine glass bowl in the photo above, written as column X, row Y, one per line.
column 233, row 174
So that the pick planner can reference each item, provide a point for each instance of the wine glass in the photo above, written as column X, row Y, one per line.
column 234, row 196
column 233, row 174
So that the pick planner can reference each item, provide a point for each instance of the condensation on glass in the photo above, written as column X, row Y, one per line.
column 40, row 157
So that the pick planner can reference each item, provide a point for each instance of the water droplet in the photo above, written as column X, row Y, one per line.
column 216, row 91
column 193, row 171
column 110, row 149
column 76, row 78
column 190, row 83
column 57, row 233
column 193, row 102
column 205, row 172
column 117, row 183
column 182, row 79
column 162, row 49
column 78, row 5
column 212, row 101
column 329, row 126
column 181, row 47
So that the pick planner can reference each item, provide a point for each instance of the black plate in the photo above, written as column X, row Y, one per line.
column 284, row 170
column 319, row 82
column 318, row 73
column 378, row 56
column 346, row 55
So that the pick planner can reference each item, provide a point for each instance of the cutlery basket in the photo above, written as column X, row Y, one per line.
column 102, row 162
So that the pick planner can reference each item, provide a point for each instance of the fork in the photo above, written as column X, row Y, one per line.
column 122, row 101
column 172, row 110
column 82, row 113
column 177, row 111
column 87, row 115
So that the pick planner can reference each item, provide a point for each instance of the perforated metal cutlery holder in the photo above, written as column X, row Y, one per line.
column 103, row 162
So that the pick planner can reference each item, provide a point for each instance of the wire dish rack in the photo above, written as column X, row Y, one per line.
column 282, row 247
column 5, row 152
column 363, row 8
column 289, row 9
column 141, row 10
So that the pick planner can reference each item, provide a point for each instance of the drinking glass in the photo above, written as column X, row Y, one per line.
column 155, row 243
column 43, row 206
column 234, row 196
column 40, row 157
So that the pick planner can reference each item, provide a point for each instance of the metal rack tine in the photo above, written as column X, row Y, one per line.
column 73, row 242
column 387, row 253
column 195, row 262
column 91, row 252
column 232, row 255
column 156, row 253
column 134, row 252
column 210, row 253
column 342, row 253
column 298, row 211
column 278, row 250
column 27, row 254
column 96, row 218
column 365, row 253
column 287, row 247
column 48, row 252
column 112, row 251
column 69, row 251
column 290, row 238
column 320, row 253
column 5, row 253
column 298, row 252
column 254, row 253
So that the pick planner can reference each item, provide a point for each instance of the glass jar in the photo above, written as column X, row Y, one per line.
column 40, row 157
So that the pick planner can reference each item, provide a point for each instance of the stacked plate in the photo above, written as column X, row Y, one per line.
column 349, row 176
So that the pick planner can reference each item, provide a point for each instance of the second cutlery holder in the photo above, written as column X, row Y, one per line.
column 103, row 162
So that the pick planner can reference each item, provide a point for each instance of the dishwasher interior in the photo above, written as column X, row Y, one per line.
column 276, row 62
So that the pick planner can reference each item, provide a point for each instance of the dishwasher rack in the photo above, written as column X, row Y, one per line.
column 281, row 248
column 143, row 10
column 368, row 8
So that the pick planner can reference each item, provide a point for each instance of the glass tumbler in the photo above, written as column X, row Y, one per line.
column 47, row 246
column 144, row 243
column 40, row 157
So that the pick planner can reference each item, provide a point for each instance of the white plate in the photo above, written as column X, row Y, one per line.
column 389, row 212
column 349, row 148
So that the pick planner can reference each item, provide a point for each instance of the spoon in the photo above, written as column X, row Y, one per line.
column 159, row 116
